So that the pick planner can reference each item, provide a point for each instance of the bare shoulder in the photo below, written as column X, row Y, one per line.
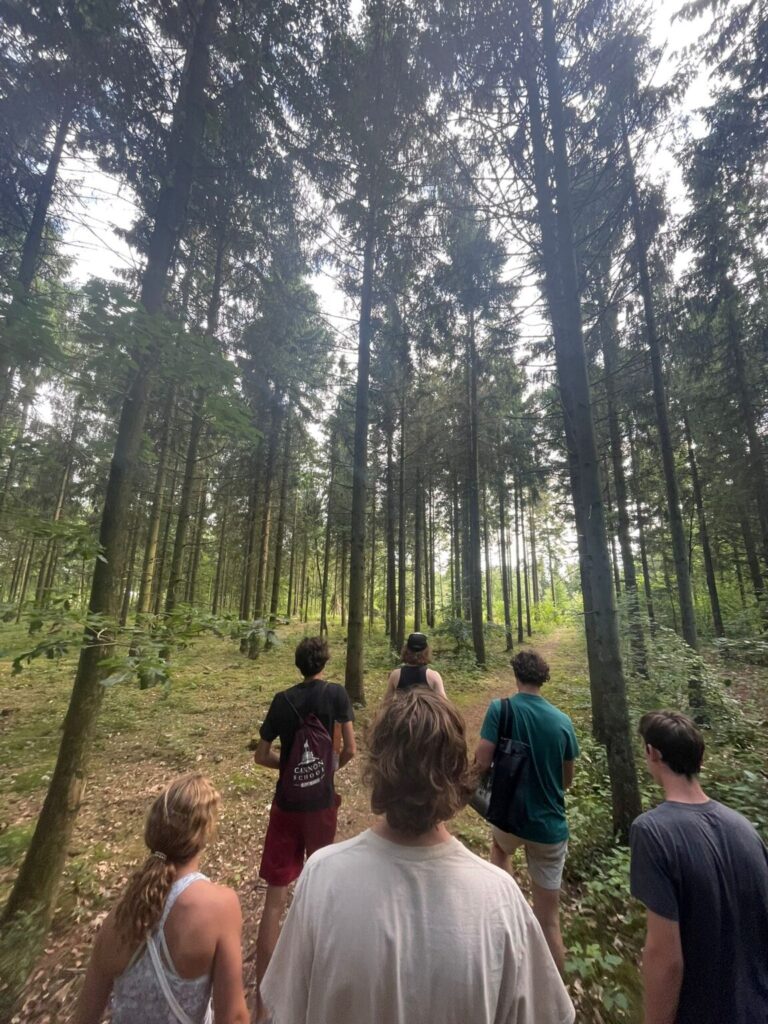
column 224, row 899
column 110, row 950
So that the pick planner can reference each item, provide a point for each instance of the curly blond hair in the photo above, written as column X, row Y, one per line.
column 417, row 763
column 181, row 821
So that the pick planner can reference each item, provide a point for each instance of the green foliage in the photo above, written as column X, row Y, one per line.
column 753, row 650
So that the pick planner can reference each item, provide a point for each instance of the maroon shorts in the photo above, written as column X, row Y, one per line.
column 292, row 835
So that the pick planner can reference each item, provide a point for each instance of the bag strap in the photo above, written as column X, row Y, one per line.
column 293, row 707
column 507, row 711
column 176, row 1009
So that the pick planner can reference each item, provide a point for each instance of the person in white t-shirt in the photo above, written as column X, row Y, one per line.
column 403, row 923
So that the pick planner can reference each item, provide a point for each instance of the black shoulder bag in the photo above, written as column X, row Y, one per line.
column 500, row 797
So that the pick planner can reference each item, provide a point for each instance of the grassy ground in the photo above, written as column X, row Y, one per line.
column 206, row 719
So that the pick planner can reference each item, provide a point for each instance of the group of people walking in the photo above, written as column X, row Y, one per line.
column 403, row 923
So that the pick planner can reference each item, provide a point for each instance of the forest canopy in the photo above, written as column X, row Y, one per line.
column 437, row 316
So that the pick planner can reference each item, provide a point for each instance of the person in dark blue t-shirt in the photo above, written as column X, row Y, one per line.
column 701, row 870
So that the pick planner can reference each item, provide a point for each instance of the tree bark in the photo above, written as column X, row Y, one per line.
column 698, row 497
column 504, row 566
column 391, row 614
column 353, row 676
column 473, row 494
column 281, row 519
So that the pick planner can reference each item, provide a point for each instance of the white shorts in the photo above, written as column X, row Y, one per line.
column 545, row 860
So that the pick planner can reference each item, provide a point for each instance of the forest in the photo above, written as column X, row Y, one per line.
column 441, row 316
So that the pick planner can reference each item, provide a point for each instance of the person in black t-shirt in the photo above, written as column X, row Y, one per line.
column 415, row 656
column 701, row 869
column 291, row 834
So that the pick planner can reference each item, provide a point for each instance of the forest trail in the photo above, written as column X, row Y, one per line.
column 205, row 721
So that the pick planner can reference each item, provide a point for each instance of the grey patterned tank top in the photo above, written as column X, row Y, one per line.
column 150, row 990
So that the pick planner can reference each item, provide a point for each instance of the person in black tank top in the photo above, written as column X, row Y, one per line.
column 414, row 671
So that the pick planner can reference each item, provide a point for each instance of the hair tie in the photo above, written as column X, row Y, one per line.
column 160, row 856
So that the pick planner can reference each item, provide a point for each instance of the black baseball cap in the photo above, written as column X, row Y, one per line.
column 417, row 642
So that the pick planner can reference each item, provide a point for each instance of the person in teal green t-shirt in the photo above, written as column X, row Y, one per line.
column 548, row 733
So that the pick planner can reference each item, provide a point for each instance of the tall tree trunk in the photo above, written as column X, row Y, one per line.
column 281, row 509
column 125, row 606
column 504, row 564
column 518, row 574
column 640, row 523
column 534, row 559
column 372, row 566
column 343, row 579
column 33, row 896
column 753, row 562
column 487, row 558
column 698, row 497
column 526, row 588
column 391, row 615
column 266, row 515
column 608, row 340
column 563, row 294
column 155, row 515
column 174, row 593
column 327, row 544
column 25, row 583
column 197, row 545
column 353, row 676
column 417, row 554
column 674, row 511
column 473, row 494
column 251, row 561
column 221, row 559
column 611, row 532
column 292, row 561
column 402, row 596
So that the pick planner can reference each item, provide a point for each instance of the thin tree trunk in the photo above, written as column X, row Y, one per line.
column 266, row 516
column 534, row 563
column 391, row 613
column 33, row 896
column 504, row 565
column 402, row 596
column 714, row 600
column 25, row 580
column 128, row 587
column 518, row 575
column 417, row 555
column 473, row 495
column 608, row 338
column 155, row 516
column 753, row 562
column 221, row 559
column 327, row 545
column 281, row 519
column 197, row 546
column 682, row 574
column 292, row 561
column 640, row 523
column 372, row 567
column 176, row 575
column 525, row 566
column 353, row 676
column 487, row 554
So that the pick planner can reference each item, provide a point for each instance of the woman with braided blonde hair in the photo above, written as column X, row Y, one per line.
column 172, row 945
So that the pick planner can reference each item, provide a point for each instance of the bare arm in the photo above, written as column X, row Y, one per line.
column 392, row 682
column 229, row 1004
column 435, row 680
column 484, row 754
column 348, row 746
column 99, row 977
column 662, row 969
column 266, row 756
column 568, row 767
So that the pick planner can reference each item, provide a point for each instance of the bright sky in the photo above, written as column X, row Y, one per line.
column 102, row 204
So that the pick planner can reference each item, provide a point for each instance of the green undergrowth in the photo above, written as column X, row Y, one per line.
column 211, row 711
